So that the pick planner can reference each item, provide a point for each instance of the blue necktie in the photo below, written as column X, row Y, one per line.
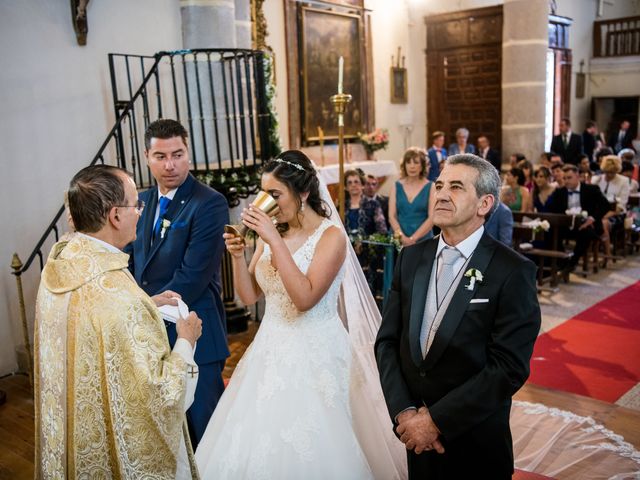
column 164, row 206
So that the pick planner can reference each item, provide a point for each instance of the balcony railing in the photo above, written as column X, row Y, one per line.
column 617, row 37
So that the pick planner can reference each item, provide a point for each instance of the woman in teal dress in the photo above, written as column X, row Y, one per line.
column 514, row 194
column 409, row 200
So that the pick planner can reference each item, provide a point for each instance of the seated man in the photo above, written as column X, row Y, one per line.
column 578, row 197
column 500, row 224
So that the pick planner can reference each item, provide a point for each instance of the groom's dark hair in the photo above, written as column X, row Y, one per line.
column 92, row 193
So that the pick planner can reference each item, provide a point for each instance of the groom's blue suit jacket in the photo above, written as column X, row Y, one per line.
column 187, row 259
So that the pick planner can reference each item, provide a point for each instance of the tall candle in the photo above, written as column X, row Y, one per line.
column 340, row 69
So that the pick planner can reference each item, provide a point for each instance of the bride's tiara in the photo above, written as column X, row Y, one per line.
column 295, row 165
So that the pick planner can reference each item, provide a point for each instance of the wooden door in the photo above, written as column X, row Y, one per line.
column 464, row 74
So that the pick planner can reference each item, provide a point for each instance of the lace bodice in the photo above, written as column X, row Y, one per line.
column 278, row 303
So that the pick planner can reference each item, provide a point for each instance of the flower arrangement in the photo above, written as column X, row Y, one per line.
column 376, row 140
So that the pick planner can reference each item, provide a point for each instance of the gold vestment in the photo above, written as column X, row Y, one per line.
column 109, row 392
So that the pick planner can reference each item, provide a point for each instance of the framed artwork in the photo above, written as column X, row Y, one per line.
column 318, row 34
column 398, row 85
column 325, row 37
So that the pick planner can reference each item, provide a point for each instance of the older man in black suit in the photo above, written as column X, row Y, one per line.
column 567, row 144
column 457, row 334
column 579, row 197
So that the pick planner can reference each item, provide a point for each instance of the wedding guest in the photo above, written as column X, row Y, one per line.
column 449, row 365
column 489, row 154
column 543, row 189
column 556, row 159
column 545, row 159
column 614, row 186
column 102, row 355
column 371, row 191
column 586, row 175
column 627, row 171
column 461, row 145
column 514, row 194
column 437, row 154
column 621, row 137
column 527, row 169
column 364, row 215
column 579, row 197
column 500, row 224
column 567, row 144
column 410, row 198
column 516, row 158
column 558, row 175
column 590, row 138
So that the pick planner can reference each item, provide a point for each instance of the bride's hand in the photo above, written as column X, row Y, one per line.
column 261, row 223
column 235, row 245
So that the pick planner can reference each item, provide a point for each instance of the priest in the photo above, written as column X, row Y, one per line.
column 110, row 395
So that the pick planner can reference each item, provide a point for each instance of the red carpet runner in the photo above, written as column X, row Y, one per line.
column 596, row 353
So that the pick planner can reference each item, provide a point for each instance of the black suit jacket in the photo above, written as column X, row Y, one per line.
column 187, row 259
column 588, row 144
column 493, row 157
column 591, row 199
column 479, row 357
column 572, row 152
column 627, row 141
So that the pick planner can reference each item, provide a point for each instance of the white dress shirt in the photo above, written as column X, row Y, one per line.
column 573, row 201
column 170, row 194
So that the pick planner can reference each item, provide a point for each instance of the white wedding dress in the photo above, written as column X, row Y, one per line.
column 286, row 411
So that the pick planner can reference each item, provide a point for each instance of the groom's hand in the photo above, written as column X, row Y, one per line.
column 419, row 433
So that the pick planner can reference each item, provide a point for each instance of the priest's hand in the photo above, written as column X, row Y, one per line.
column 168, row 297
column 419, row 433
column 189, row 328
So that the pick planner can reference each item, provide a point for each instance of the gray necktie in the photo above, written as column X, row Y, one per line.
column 448, row 256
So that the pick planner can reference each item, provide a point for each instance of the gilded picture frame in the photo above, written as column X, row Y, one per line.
column 326, row 35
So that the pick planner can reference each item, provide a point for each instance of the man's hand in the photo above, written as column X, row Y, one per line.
column 587, row 223
column 168, row 297
column 419, row 433
column 189, row 328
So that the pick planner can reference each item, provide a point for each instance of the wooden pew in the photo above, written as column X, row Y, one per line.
column 556, row 252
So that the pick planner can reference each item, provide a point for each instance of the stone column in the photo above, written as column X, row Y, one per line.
column 208, row 23
column 524, row 50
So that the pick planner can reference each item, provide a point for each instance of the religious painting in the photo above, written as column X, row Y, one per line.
column 398, row 85
column 325, row 36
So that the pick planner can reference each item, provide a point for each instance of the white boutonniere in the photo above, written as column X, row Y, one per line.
column 166, row 223
column 474, row 275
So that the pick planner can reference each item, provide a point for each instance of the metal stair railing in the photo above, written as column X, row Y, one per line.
column 220, row 97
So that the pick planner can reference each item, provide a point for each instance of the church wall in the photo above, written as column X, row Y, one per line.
column 56, row 110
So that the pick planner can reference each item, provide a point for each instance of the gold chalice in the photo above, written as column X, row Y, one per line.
column 264, row 202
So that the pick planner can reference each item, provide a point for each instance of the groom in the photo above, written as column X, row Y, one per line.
column 457, row 334
column 179, row 247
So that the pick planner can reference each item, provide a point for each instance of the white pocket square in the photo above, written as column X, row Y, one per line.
column 479, row 300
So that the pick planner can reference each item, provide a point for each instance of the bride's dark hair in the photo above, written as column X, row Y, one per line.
column 294, row 169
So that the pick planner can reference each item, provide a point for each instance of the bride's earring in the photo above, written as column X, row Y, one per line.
column 302, row 208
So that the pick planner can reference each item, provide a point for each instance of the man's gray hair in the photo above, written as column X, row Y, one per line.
column 488, row 181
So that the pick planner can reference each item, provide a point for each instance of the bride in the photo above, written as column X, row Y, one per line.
column 302, row 402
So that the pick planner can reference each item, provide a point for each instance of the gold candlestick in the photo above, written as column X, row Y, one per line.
column 340, row 102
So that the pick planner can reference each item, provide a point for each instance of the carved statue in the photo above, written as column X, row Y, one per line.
column 79, row 17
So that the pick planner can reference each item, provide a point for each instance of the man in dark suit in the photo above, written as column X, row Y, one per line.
column 622, row 137
column 580, row 197
column 489, row 154
column 457, row 334
column 371, row 191
column 567, row 144
column 436, row 154
column 179, row 247
column 589, row 139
